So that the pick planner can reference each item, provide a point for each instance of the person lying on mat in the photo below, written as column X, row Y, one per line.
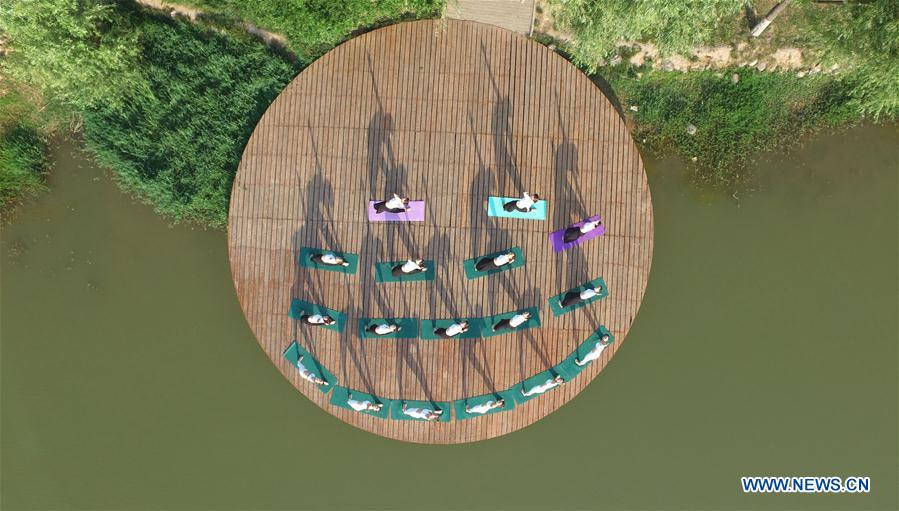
column 523, row 205
column 395, row 204
column 485, row 407
column 383, row 329
column 363, row 406
column 308, row 375
column 421, row 413
column 410, row 267
column 513, row 322
column 329, row 259
column 572, row 298
column 550, row 383
column 317, row 319
column 594, row 353
column 572, row 233
column 452, row 330
column 493, row 263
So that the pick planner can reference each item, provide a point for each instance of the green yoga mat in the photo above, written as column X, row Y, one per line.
column 293, row 353
column 568, row 368
column 596, row 283
column 532, row 382
column 305, row 262
column 383, row 272
column 532, row 322
column 459, row 404
column 408, row 328
column 341, row 394
column 300, row 307
column 396, row 409
column 472, row 273
column 475, row 327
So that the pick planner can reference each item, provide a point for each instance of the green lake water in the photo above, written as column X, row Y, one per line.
column 766, row 345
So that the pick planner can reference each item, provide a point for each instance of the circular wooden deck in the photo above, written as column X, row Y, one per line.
column 449, row 112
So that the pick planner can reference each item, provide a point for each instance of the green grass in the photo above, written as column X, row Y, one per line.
column 23, row 148
column 312, row 27
column 178, row 143
column 735, row 122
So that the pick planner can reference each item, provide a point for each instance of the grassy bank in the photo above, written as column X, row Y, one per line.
column 23, row 147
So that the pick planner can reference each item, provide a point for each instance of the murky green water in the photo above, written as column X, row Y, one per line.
column 767, row 345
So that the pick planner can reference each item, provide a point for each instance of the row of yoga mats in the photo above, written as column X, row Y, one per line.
column 569, row 368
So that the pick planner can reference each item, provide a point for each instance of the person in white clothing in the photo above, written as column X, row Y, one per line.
column 523, row 205
column 363, row 406
column 513, row 322
column 410, row 267
column 574, row 232
column 550, row 383
column 383, row 329
column 421, row 413
column 329, row 259
column 453, row 330
column 594, row 353
column 395, row 204
column 485, row 407
column 308, row 375
column 493, row 263
column 572, row 298
column 317, row 319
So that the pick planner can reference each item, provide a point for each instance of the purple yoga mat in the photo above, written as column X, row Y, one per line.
column 415, row 214
column 556, row 237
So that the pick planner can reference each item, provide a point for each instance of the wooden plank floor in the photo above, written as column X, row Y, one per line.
column 450, row 112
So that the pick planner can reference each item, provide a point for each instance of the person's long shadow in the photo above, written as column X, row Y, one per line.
column 532, row 295
column 436, row 245
column 408, row 352
column 480, row 186
column 473, row 357
column 501, row 128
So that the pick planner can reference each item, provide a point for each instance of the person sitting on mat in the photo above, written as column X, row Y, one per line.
column 485, row 407
column 410, row 267
column 363, row 406
column 452, row 330
column 550, row 383
column 600, row 345
column 572, row 297
column 421, row 413
column 329, row 259
column 308, row 375
column 395, row 204
column 523, row 205
column 317, row 319
column 383, row 329
column 574, row 232
column 494, row 263
column 513, row 322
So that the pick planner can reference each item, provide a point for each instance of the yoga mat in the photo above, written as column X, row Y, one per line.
column 557, row 238
column 415, row 214
column 305, row 262
column 298, row 307
column 341, row 394
column 557, row 308
column 495, row 208
column 532, row 382
column 383, row 272
column 532, row 322
column 292, row 354
column 408, row 330
column 476, row 325
column 568, row 368
column 396, row 409
column 459, row 404
column 472, row 273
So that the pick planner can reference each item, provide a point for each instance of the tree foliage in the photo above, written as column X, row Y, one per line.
column 599, row 26
column 79, row 52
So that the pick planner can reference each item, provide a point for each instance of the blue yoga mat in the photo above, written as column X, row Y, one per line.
column 495, row 208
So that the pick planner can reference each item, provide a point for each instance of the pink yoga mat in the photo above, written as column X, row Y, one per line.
column 415, row 214
column 556, row 237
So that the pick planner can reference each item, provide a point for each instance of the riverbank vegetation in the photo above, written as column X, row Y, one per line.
column 168, row 104
column 23, row 147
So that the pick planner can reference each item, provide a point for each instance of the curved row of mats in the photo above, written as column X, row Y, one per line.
column 498, row 401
